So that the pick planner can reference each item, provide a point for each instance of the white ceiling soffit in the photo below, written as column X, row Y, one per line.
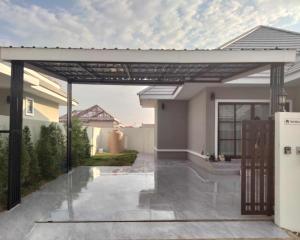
column 5, row 69
column 50, row 95
column 32, row 84
column 191, row 89
column 148, row 103
column 160, row 92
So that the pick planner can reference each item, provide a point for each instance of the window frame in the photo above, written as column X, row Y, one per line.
column 235, row 122
column 27, row 113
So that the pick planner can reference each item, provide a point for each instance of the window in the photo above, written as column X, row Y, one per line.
column 29, row 104
column 230, row 117
column 230, row 120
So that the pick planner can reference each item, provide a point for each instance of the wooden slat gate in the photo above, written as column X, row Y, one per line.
column 257, row 167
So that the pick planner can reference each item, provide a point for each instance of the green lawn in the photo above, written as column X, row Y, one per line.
column 125, row 158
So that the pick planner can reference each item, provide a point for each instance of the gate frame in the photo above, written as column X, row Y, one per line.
column 266, row 168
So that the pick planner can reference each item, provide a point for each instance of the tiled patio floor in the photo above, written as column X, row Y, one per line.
column 78, row 205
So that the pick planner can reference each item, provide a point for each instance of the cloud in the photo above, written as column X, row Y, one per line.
column 144, row 24
column 137, row 24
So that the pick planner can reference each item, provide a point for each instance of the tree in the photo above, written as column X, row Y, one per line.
column 86, row 144
column 77, row 143
column 80, row 142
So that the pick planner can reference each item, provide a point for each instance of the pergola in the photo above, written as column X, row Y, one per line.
column 128, row 66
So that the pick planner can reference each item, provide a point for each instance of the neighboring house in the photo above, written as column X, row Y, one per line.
column 42, row 95
column 195, row 119
column 94, row 116
column 147, row 125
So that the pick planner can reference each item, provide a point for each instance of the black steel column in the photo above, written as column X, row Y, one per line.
column 276, row 87
column 15, row 134
column 69, row 127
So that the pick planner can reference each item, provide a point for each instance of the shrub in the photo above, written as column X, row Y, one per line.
column 51, row 151
column 3, row 169
column 25, row 160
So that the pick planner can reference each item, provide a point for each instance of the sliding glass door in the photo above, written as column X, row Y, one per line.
column 230, row 117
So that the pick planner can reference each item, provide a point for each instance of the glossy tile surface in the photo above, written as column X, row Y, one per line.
column 156, row 231
column 149, row 190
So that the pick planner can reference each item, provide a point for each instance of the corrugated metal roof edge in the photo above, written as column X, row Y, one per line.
column 222, row 47
column 149, row 49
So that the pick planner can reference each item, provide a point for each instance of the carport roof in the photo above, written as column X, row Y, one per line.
column 135, row 66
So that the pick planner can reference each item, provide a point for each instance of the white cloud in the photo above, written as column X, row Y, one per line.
column 144, row 23
column 139, row 23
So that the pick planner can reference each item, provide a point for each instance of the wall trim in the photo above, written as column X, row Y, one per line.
column 217, row 101
column 181, row 150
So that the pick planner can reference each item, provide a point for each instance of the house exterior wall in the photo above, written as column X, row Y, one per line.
column 188, row 127
column 197, row 124
column 171, row 128
column 228, row 93
column 201, row 112
column 44, row 110
column 4, row 106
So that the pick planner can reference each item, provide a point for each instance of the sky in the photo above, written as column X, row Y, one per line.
column 179, row 24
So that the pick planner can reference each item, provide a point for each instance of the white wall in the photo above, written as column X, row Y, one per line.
column 287, row 171
column 140, row 139
column 34, row 126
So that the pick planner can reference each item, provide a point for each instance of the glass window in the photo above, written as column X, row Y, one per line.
column 226, row 112
column 238, row 148
column 243, row 112
column 261, row 111
column 227, row 147
column 226, row 130
column 238, row 130
column 29, row 106
column 231, row 116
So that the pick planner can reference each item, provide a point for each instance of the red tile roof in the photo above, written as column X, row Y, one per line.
column 92, row 114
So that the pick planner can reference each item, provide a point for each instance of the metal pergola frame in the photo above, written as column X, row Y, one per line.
column 133, row 67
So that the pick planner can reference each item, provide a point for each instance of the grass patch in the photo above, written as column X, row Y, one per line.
column 125, row 158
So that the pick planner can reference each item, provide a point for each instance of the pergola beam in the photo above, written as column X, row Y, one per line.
column 135, row 82
column 146, row 56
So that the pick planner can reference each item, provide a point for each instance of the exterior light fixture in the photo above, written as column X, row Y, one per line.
column 282, row 99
